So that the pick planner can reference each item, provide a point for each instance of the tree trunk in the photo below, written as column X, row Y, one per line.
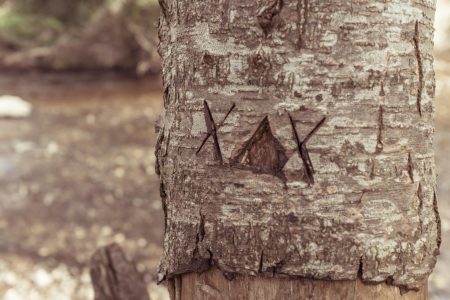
column 297, row 142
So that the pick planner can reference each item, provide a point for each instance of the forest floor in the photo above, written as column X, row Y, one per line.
column 78, row 174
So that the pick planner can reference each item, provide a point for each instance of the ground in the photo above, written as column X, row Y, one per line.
column 79, row 174
column 76, row 175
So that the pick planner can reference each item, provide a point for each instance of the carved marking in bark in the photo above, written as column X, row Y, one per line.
column 212, row 130
column 416, row 40
column 380, row 130
column 302, row 11
column 303, row 151
column 262, row 152
column 266, row 15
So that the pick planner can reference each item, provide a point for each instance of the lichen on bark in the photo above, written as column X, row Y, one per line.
column 358, row 199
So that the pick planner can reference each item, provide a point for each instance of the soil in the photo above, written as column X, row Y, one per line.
column 76, row 175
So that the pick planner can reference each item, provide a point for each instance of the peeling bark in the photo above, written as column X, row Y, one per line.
column 248, row 195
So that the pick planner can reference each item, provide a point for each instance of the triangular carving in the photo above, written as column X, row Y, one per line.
column 262, row 152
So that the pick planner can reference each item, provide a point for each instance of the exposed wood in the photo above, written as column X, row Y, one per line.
column 213, row 285
column 114, row 277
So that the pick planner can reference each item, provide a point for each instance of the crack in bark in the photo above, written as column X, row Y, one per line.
column 416, row 41
column 410, row 167
column 438, row 221
column 382, row 93
column 360, row 200
column 164, row 10
column 163, row 195
column 380, row 130
column 267, row 14
column 201, row 230
column 303, row 151
column 372, row 169
column 212, row 130
column 302, row 11
column 261, row 262
column 360, row 268
column 419, row 194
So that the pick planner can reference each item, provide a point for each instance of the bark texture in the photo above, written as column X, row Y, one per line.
column 297, row 139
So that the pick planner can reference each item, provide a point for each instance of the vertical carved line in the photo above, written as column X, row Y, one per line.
column 416, row 41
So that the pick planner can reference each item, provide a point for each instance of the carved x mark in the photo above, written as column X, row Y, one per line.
column 303, row 151
column 212, row 130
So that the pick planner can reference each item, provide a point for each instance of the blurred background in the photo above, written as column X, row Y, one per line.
column 76, row 149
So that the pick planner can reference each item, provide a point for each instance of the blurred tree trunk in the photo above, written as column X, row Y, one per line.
column 296, row 147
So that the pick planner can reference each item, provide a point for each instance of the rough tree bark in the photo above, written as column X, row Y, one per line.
column 297, row 142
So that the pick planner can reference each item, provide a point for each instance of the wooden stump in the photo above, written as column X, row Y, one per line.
column 114, row 277
column 213, row 285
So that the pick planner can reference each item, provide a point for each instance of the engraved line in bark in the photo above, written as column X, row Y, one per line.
column 212, row 130
column 302, row 11
column 266, row 15
column 380, row 130
column 410, row 167
column 416, row 40
column 303, row 151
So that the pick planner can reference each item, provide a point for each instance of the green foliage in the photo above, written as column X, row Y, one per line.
column 31, row 23
column 26, row 30
column 68, row 12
